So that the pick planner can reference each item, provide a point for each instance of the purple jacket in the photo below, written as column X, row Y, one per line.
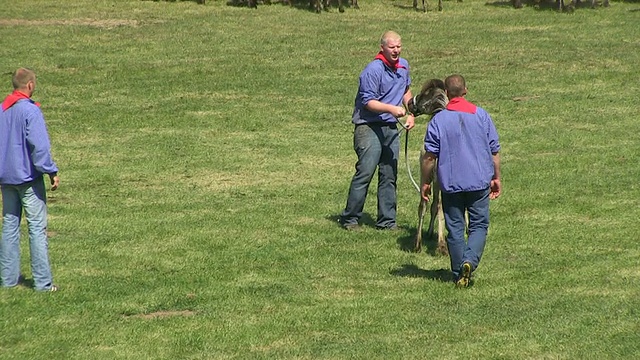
column 379, row 82
column 464, row 139
column 25, row 150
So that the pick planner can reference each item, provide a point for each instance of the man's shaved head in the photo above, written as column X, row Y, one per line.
column 22, row 77
column 455, row 86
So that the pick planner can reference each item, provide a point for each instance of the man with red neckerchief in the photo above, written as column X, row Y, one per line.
column 25, row 157
column 382, row 92
column 464, row 140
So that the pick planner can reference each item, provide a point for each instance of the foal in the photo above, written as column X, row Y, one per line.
column 430, row 101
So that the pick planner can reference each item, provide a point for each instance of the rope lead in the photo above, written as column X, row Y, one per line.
column 406, row 155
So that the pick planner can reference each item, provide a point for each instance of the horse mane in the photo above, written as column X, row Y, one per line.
column 433, row 83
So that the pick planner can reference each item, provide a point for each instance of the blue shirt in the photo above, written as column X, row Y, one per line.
column 464, row 143
column 379, row 82
column 25, row 151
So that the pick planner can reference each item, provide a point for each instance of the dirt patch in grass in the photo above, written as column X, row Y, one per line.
column 100, row 23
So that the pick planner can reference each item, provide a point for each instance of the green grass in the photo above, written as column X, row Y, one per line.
column 206, row 152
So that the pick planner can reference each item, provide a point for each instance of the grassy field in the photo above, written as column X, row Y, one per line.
column 206, row 152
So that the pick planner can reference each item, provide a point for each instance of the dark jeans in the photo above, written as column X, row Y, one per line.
column 377, row 146
column 454, row 206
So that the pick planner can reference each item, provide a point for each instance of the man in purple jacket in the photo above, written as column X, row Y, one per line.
column 382, row 92
column 464, row 140
column 25, row 157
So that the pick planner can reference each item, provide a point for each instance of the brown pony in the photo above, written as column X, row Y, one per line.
column 430, row 101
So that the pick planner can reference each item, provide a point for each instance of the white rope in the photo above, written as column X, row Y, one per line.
column 406, row 155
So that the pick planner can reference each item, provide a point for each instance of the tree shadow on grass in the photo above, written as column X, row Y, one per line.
column 412, row 271
column 538, row 5
column 304, row 5
column 201, row 2
column 545, row 5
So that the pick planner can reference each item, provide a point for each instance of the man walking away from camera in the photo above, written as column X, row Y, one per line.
column 464, row 141
column 384, row 88
column 25, row 157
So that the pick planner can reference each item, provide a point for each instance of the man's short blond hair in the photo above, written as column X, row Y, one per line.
column 21, row 78
column 389, row 35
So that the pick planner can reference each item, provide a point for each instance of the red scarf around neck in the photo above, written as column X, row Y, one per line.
column 393, row 66
column 461, row 104
column 10, row 100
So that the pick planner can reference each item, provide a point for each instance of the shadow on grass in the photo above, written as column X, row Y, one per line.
column 365, row 220
column 408, row 243
column 201, row 2
column 538, row 5
column 406, row 7
column 412, row 271
column 429, row 5
column 28, row 283
column 297, row 4
column 546, row 5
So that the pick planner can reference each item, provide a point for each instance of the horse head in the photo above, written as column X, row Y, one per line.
column 430, row 100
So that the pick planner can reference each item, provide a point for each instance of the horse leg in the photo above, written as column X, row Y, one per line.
column 354, row 4
column 433, row 209
column 422, row 209
column 433, row 212
column 437, row 212
column 315, row 5
column 439, row 5
column 415, row 5
column 442, row 248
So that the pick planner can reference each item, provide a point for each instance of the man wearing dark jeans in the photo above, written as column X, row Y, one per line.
column 464, row 141
column 383, row 89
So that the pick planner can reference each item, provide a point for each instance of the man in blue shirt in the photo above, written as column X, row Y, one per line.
column 25, row 156
column 464, row 141
column 382, row 92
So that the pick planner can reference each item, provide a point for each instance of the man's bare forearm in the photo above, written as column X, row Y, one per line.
column 496, row 166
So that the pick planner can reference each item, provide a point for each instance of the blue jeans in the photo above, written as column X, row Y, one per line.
column 30, row 197
column 476, row 203
column 377, row 146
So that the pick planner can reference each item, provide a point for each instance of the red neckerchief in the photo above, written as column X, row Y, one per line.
column 395, row 66
column 461, row 104
column 10, row 100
